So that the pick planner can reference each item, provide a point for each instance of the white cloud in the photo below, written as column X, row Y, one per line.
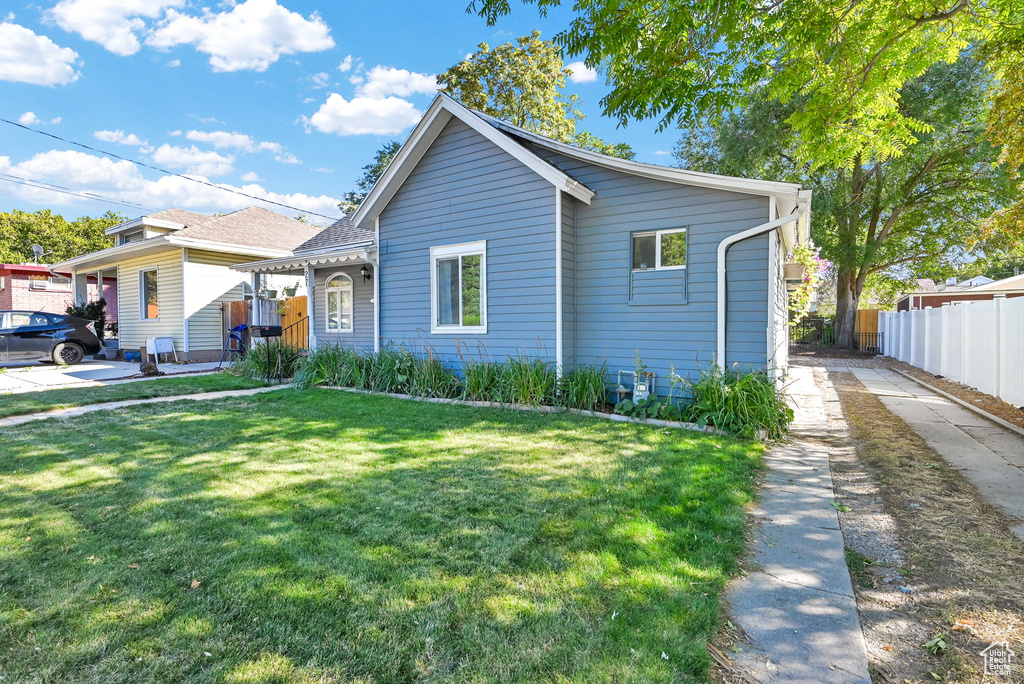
column 251, row 177
column 321, row 80
column 193, row 160
column 322, row 169
column 383, row 81
column 252, row 35
column 30, row 119
column 346, row 64
column 174, row 63
column 120, row 138
column 364, row 115
column 208, row 120
column 240, row 142
column 235, row 140
column 114, row 24
column 661, row 152
column 356, row 80
column 307, row 100
column 581, row 73
column 81, row 172
column 28, row 58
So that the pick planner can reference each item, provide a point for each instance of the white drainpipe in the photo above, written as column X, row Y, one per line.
column 376, row 298
column 723, row 251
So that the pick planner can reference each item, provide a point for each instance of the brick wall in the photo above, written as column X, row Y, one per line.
column 19, row 295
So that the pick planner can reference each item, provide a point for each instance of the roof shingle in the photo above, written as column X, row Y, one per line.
column 251, row 227
column 338, row 234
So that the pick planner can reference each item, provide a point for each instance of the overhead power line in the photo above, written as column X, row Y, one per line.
column 40, row 185
column 165, row 171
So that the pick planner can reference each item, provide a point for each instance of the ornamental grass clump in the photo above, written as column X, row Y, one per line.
column 270, row 358
column 584, row 388
column 741, row 403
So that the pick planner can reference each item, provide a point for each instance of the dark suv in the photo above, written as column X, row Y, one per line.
column 39, row 336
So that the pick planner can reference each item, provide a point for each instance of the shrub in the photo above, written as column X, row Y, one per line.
column 742, row 403
column 92, row 311
column 584, row 388
column 264, row 358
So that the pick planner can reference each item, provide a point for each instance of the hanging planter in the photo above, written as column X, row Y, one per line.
column 289, row 291
column 794, row 271
column 270, row 294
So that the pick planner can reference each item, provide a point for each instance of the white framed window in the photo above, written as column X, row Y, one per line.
column 149, row 298
column 458, row 288
column 52, row 283
column 134, row 236
column 659, row 250
column 338, row 297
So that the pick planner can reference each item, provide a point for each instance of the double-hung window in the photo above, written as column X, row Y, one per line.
column 339, row 303
column 659, row 250
column 149, row 302
column 458, row 288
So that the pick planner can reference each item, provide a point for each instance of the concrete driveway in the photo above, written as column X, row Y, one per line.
column 21, row 377
column 990, row 456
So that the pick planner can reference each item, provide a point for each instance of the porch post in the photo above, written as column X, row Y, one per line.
column 254, row 278
column 80, row 287
column 310, row 299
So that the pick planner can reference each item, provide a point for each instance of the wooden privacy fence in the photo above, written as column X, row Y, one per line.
column 295, row 322
column 976, row 343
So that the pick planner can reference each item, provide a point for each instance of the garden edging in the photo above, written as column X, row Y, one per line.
column 677, row 425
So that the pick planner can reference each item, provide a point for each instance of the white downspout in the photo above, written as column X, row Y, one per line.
column 723, row 251
column 376, row 284
column 558, row 283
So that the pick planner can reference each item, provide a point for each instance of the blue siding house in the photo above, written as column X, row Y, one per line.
column 486, row 239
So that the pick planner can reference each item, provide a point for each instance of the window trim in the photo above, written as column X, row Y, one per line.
column 657, row 248
column 352, row 304
column 142, row 293
column 459, row 250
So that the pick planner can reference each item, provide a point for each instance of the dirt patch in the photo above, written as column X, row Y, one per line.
column 986, row 402
column 937, row 573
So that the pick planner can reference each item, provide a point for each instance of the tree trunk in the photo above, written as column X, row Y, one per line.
column 847, row 299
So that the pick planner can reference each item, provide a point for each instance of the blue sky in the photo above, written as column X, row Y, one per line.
column 281, row 98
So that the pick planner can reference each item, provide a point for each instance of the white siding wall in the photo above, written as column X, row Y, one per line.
column 209, row 281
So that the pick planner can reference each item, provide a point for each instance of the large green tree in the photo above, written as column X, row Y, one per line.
column 918, row 210
column 371, row 173
column 524, row 84
column 846, row 62
column 62, row 239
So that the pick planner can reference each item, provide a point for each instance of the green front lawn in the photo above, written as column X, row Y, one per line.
column 322, row 536
column 47, row 400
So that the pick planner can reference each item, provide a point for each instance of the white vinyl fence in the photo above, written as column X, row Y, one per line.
column 979, row 344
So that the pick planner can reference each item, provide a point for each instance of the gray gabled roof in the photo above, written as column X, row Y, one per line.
column 338, row 234
column 252, row 227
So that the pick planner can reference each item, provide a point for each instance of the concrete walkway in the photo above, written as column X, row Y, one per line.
column 111, row 405
column 989, row 456
column 15, row 379
column 798, row 607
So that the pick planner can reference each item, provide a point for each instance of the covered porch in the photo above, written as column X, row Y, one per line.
column 340, row 301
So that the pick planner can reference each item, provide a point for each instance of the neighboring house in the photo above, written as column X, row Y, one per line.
column 32, row 287
column 495, row 241
column 979, row 288
column 173, row 271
